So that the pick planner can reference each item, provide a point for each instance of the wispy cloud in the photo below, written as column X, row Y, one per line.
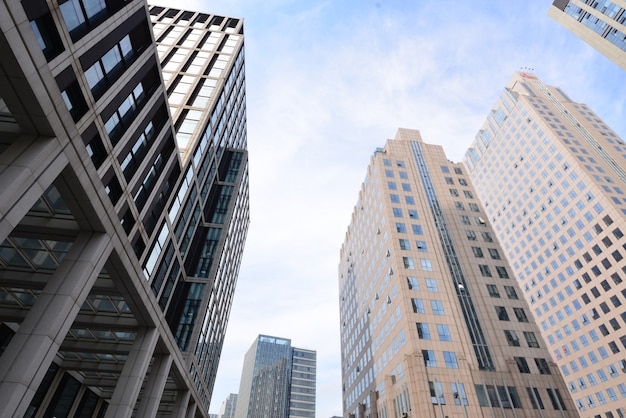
column 327, row 83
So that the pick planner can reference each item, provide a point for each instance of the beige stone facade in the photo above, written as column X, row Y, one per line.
column 552, row 178
column 432, row 322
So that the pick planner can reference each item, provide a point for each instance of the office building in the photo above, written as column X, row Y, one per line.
column 432, row 322
column 123, row 205
column 600, row 24
column 228, row 406
column 277, row 380
column 551, row 175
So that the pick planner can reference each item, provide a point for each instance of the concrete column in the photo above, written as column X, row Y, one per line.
column 127, row 389
column 182, row 400
column 27, row 168
column 191, row 411
column 32, row 349
column 151, row 398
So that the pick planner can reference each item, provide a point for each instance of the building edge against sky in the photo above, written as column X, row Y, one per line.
column 277, row 380
column 598, row 23
column 431, row 321
column 552, row 178
column 124, row 209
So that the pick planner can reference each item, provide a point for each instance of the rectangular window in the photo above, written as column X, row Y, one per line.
column 404, row 244
column 423, row 333
column 418, row 305
column 431, row 285
column 444, row 332
column 542, row 366
column 511, row 338
column 478, row 252
column 502, row 273
column 426, row 264
column 493, row 253
column 417, row 229
column 408, row 263
column 522, row 365
column 493, row 291
column 520, row 314
column 437, row 306
column 412, row 282
column 429, row 358
column 503, row 315
column 421, row 246
column 510, row 292
column 531, row 339
column 458, row 392
column 450, row 359
column 400, row 227
column 484, row 270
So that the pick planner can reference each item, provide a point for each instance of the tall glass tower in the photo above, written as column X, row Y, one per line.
column 124, row 190
column 277, row 380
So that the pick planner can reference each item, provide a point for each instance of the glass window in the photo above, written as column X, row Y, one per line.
column 450, row 359
column 423, row 333
column 431, row 285
column 444, row 332
column 503, row 315
column 418, row 305
column 437, row 307
column 493, row 291
column 522, row 364
column 412, row 283
column 429, row 358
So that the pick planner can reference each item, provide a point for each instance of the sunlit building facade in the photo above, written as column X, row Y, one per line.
column 551, row 175
column 277, row 380
column 431, row 321
column 601, row 24
column 124, row 205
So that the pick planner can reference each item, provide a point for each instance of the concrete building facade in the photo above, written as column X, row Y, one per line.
column 601, row 24
column 277, row 380
column 551, row 176
column 124, row 206
column 432, row 322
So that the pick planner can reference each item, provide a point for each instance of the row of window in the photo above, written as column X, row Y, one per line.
column 423, row 331
column 503, row 314
column 449, row 358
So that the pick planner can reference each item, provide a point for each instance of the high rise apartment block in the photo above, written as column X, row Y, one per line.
column 601, row 24
column 551, row 175
column 432, row 322
column 277, row 380
column 123, row 205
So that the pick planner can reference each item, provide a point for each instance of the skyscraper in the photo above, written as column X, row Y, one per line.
column 601, row 24
column 228, row 406
column 124, row 205
column 277, row 380
column 431, row 321
column 551, row 176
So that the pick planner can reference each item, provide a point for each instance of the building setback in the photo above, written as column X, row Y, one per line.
column 431, row 321
column 601, row 24
column 277, row 380
column 123, row 205
column 551, row 175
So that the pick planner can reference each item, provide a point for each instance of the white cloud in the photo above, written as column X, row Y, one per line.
column 327, row 83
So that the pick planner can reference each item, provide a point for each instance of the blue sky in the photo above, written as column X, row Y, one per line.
column 327, row 83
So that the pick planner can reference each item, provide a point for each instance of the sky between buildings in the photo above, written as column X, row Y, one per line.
column 327, row 83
